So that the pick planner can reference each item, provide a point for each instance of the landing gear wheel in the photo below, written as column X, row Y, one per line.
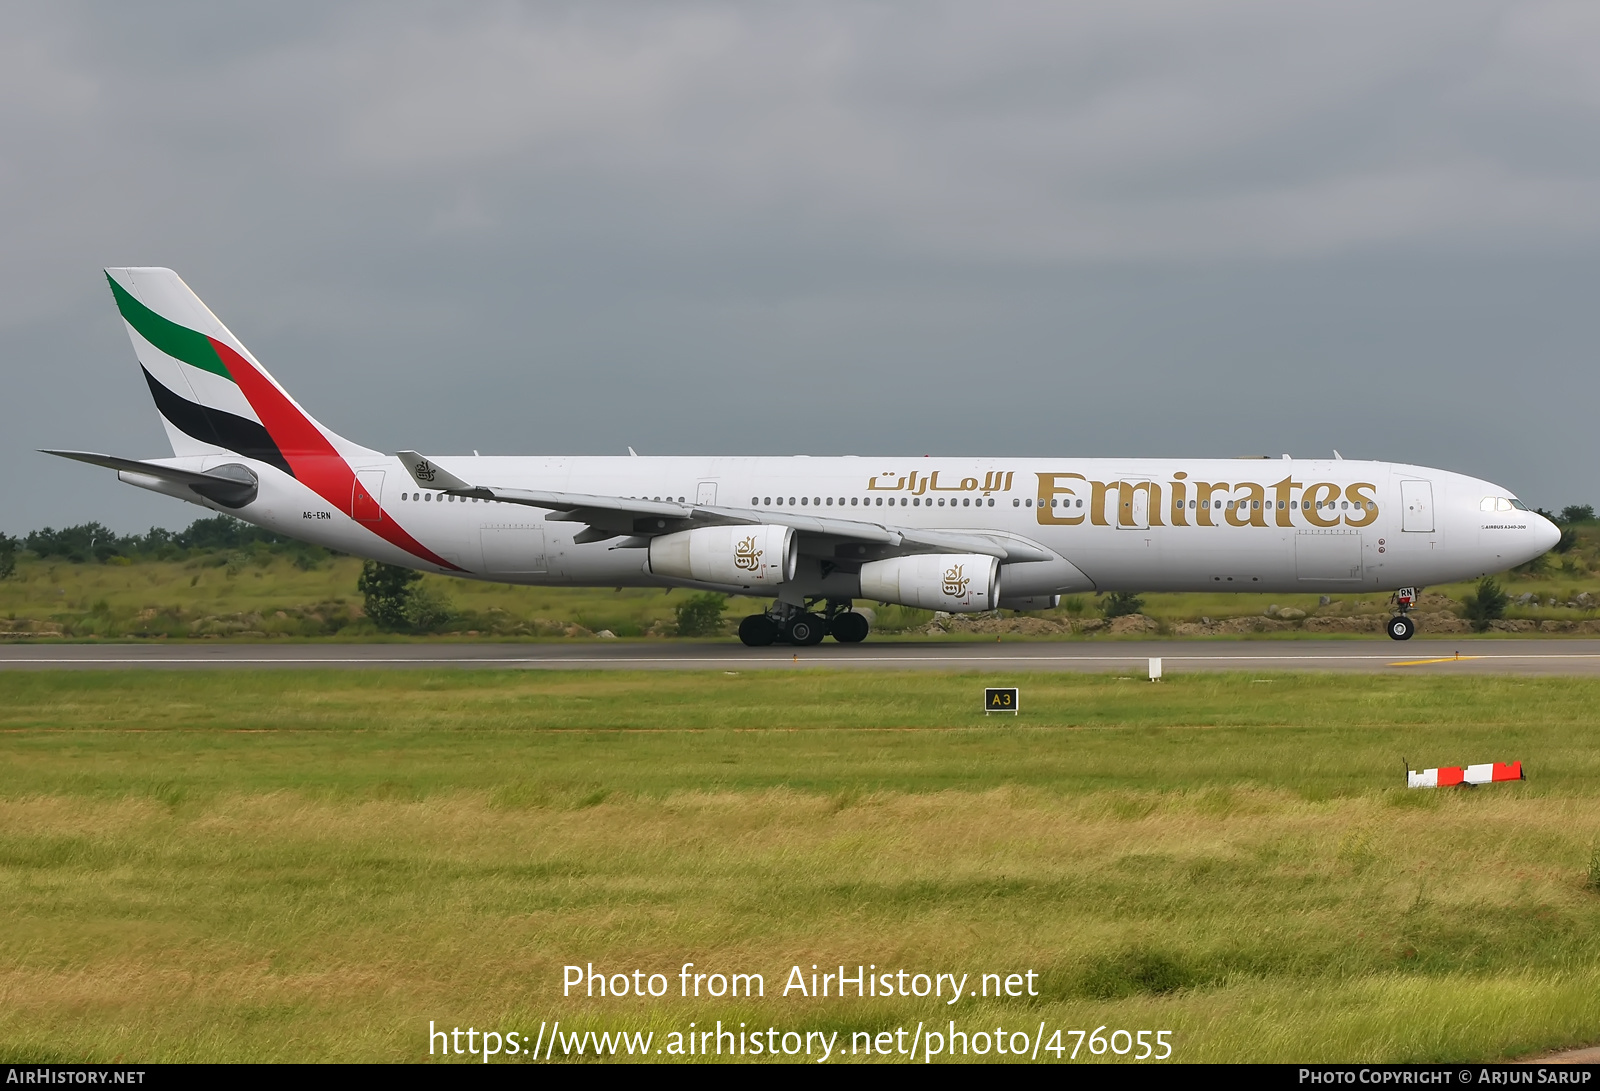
column 1401, row 628
column 757, row 631
column 806, row 630
column 848, row 628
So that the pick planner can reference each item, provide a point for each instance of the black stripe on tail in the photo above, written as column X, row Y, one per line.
column 226, row 430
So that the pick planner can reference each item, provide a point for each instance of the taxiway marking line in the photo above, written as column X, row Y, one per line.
column 723, row 660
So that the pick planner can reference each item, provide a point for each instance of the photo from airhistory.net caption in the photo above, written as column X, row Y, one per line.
column 1016, row 1039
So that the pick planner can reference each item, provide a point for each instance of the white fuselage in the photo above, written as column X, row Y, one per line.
column 1107, row 524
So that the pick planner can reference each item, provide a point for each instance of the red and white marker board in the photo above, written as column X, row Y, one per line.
column 1445, row 776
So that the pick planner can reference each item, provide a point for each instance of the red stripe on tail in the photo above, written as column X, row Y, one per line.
column 315, row 462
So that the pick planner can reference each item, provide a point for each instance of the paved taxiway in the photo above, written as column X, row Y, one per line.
column 1530, row 657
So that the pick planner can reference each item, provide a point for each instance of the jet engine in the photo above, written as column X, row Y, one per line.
column 961, row 583
column 741, row 555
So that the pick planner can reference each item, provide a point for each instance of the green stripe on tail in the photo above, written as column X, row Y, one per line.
column 176, row 341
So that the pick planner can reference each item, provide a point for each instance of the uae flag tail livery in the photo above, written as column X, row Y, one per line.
column 219, row 405
column 809, row 535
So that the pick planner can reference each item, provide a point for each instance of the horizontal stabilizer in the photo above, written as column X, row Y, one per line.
column 232, row 486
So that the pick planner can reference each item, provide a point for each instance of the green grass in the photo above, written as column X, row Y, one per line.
column 311, row 865
column 263, row 595
column 276, row 592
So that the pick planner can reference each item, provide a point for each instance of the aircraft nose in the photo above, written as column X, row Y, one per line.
column 1545, row 533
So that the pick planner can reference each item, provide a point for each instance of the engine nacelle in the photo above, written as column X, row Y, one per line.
column 743, row 556
column 961, row 583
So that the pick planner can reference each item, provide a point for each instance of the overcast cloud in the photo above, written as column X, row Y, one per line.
column 1126, row 228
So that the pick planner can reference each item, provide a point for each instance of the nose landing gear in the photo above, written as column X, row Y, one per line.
column 1401, row 627
column 804, row 627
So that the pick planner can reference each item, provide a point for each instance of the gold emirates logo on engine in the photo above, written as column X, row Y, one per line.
column 746, row 557
column 955, row 583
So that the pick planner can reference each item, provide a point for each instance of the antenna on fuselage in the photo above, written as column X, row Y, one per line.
column 632, row 453
column 1337, row 456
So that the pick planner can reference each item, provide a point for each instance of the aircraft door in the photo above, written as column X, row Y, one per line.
column 366, row 497
column 1416, row 506
column 1131, row 509
column 706, row 494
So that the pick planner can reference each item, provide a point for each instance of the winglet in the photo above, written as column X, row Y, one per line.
column 428, row 474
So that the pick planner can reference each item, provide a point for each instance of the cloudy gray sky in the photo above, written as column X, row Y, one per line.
column 1118, row 228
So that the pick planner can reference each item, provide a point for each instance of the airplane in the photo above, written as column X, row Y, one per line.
column 812, row 534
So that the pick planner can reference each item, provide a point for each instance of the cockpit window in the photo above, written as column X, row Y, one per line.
column 1518, row 504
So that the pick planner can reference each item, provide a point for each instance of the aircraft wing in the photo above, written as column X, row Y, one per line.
column 638, row 520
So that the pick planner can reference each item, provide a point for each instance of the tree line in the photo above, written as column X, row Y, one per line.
column 97, row 543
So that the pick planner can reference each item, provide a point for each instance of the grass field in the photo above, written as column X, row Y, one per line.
column 224, row 584
column 311, row 866
column 263, row 595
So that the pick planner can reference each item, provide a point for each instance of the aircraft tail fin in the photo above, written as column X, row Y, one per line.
column 214, row 397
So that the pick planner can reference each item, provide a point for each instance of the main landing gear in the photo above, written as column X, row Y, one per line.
column 1401, row 627
column 804, row 627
